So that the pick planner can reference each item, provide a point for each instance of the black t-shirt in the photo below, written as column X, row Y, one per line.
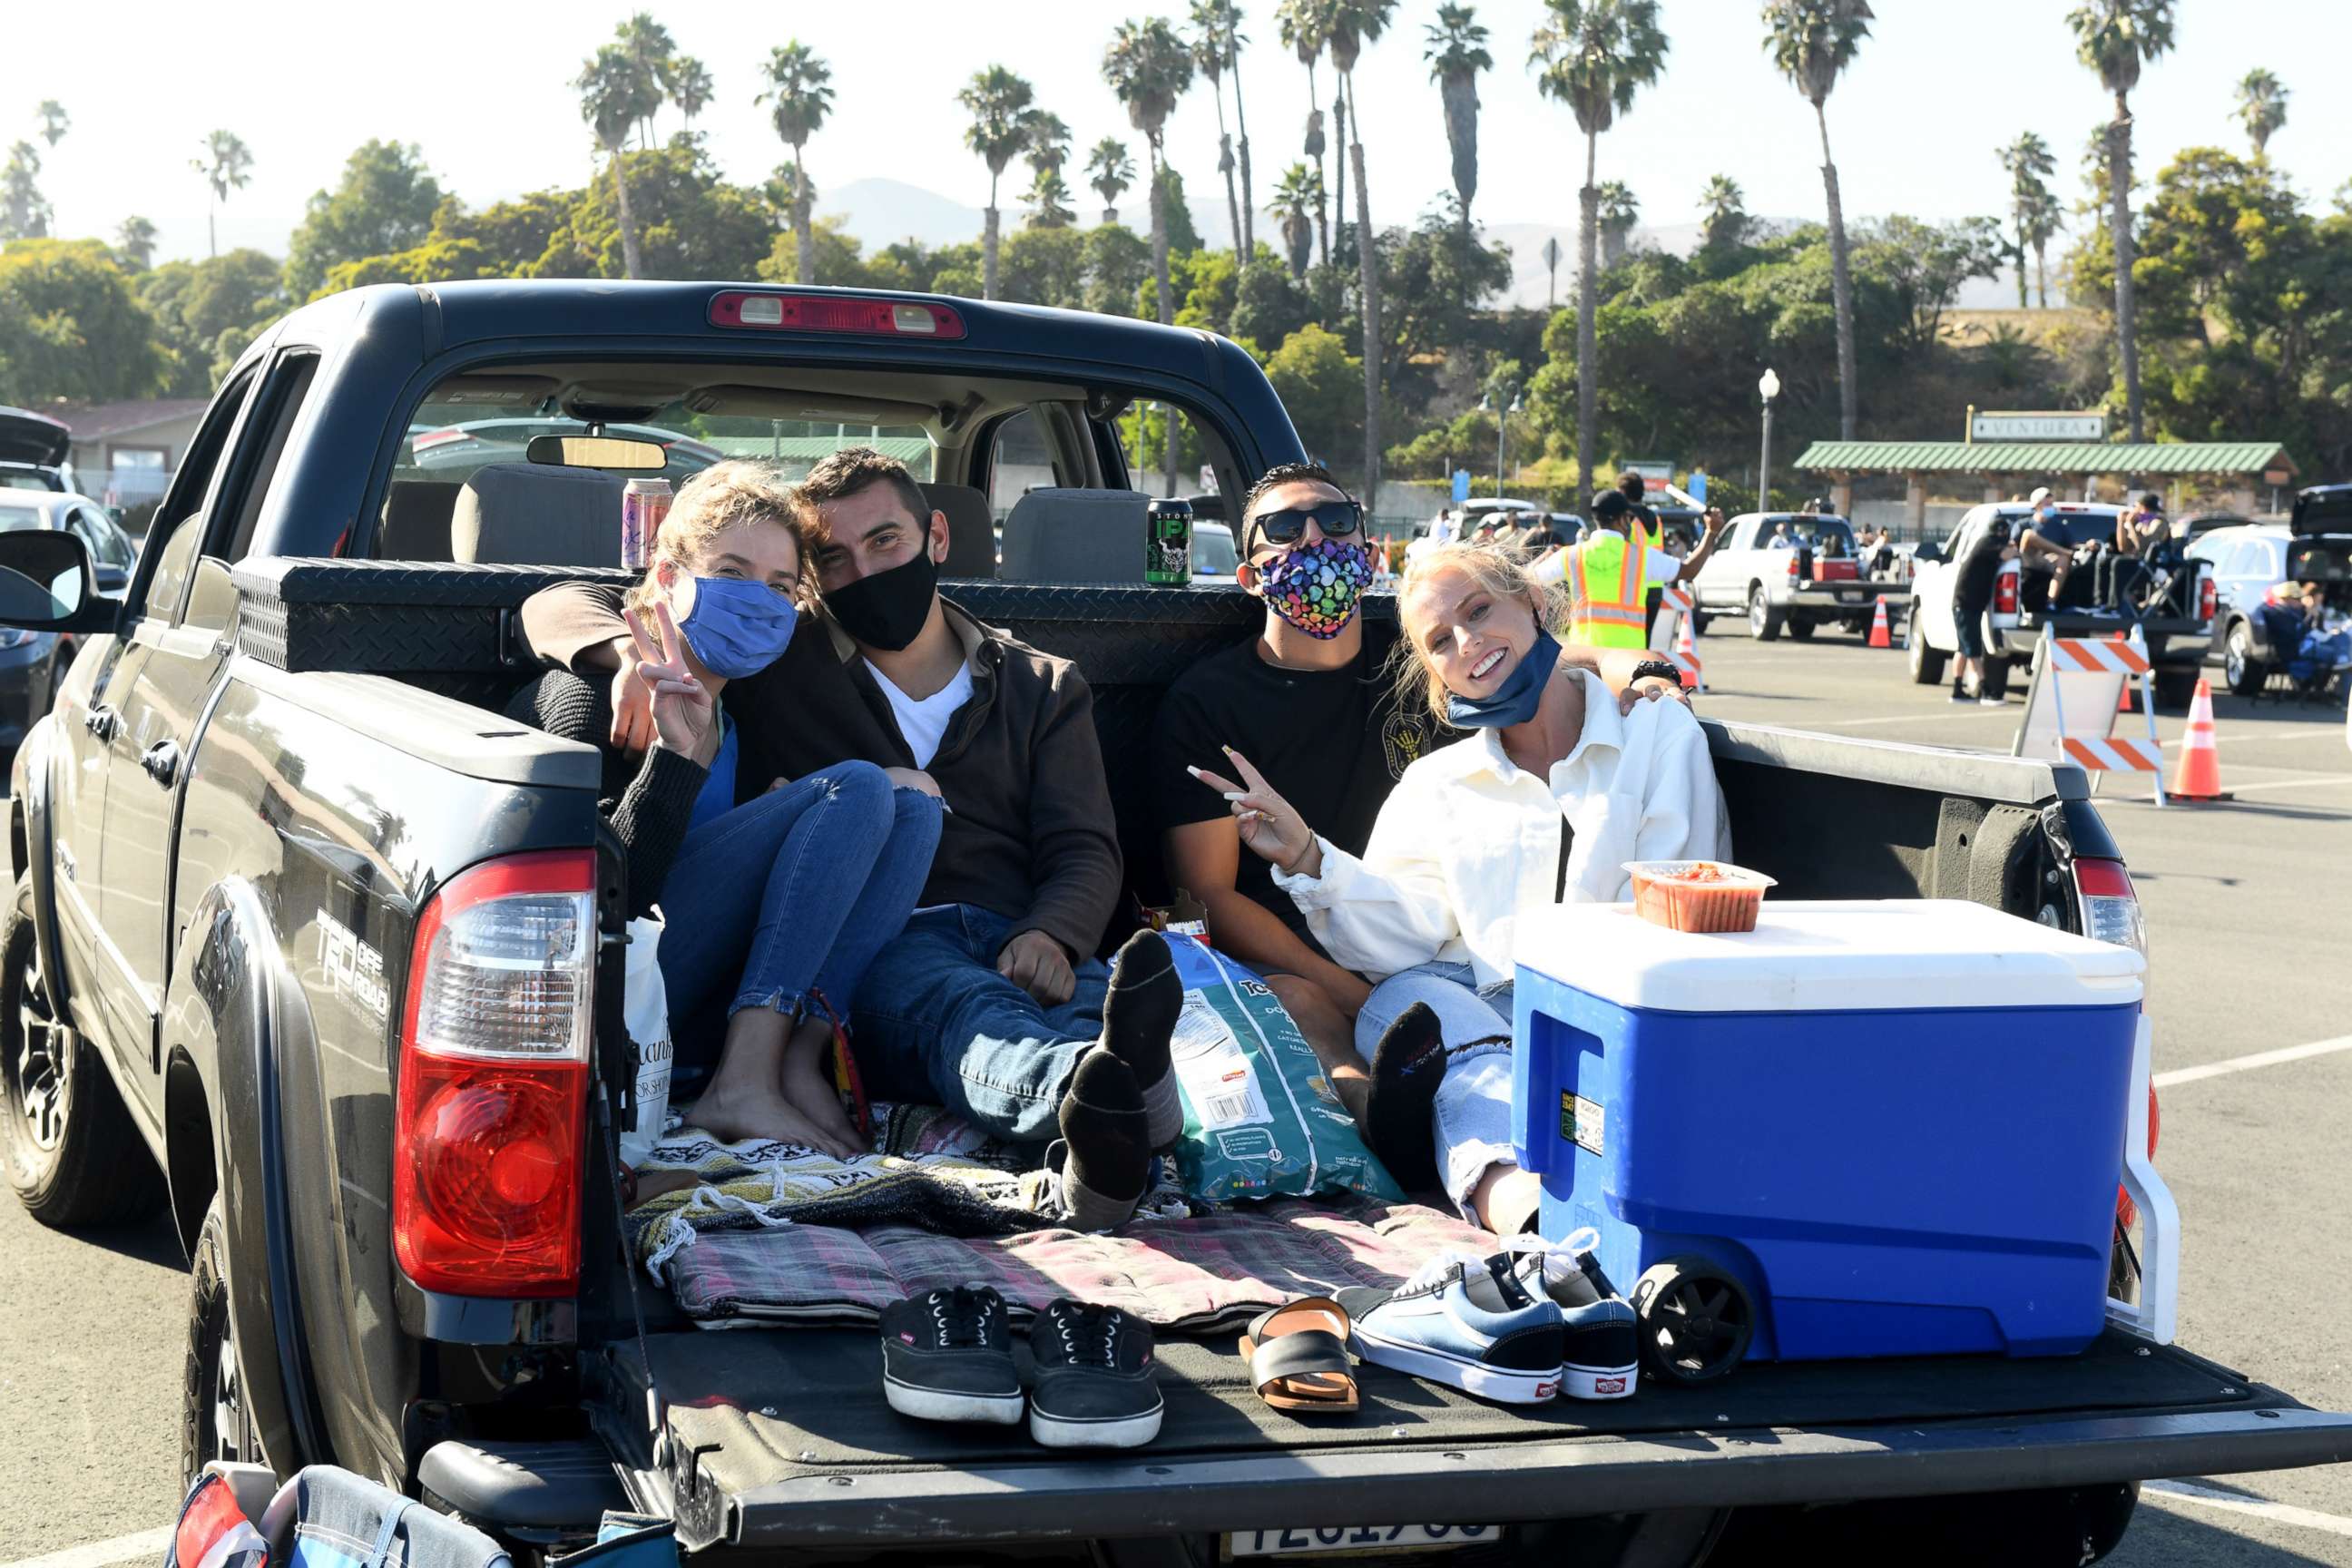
column 1977, row 569
column 1332, row 742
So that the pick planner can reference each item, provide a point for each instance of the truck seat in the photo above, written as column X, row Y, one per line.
column 416, row 515
column 533, row 514
column 972, row 529
column 1077, row 536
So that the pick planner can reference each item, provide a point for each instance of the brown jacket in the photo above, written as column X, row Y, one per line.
column 1029, row 833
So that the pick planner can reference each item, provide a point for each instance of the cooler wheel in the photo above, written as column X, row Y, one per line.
column 1696, row 1319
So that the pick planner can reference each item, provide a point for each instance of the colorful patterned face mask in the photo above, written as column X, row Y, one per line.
column 1316, row 587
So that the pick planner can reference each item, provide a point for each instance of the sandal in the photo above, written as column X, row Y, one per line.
column 1298, row 1354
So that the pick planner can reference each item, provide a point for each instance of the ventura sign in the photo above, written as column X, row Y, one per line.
column 1999, row 427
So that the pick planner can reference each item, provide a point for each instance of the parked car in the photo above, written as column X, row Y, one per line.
column 1213, row 559
column 35, row 451
column 457, row 449
column 1811, row 581
column 313, row 813
column 2196, row 525
column 2176, row 628
column 33, row 662
column 2253, row 565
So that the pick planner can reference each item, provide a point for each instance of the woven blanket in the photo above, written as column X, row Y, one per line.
column 929, row 1171
column 1189, row 1274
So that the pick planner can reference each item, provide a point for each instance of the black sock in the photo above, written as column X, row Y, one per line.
column 1109, row 1147
column 1407, row 1067
column 1139, row 1015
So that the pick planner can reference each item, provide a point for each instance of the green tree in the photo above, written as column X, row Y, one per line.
column 2115, row 38
column 615, row 96
column 208, row 313
column 834, row 261
column 24, row 213
column 688, row 221
column 1812, row 42
column 1110, row 171
column 2039, row 221
column 1304, row 27
column 54, row 121
column 652, row 57
column 1268, row 304
column 1317, row 380
column 1594, row 55
column 1725, row 205
column 384, row 203
column 1119, row 261
column 2029, row 164
column 1354, row 25
column 1455, row 48
column 135, row 241
column 1620, row 210
column 691, row 87
column 1433, row 289
column 1298, row 198
column 70, row 327
column 1929, row 264
column 998, row 103
column 1149, row 68
column 2261, row 108
column 1048, row 200
column 227, row 165
column 1046, row 148
column 1215, row 25
column 1046, row 267
column 799, row 95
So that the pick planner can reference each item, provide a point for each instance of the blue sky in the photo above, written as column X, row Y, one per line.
column 483, row 90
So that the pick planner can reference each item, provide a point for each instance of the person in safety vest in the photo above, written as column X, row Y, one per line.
column 1608, row 575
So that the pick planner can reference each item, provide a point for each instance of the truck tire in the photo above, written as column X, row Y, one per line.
column 2176, row 684
column 1802, row 630
column 215, row 1422
column 2241, row 671
column 68, row 1143
column 1764, row 622
column 1927, row 663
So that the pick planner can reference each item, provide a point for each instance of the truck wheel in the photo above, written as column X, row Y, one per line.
column 1802, row 630
column 2241, row 671
column 1764, row 622
column 214, row 1421
column 71, row 1150
column 1927, row 663
column 2175, row 684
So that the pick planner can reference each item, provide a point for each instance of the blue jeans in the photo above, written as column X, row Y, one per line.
column 937, row 1023
column 791, row 894
column 1472, row 1109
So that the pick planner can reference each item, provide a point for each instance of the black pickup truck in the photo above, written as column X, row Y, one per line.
column 278, row 774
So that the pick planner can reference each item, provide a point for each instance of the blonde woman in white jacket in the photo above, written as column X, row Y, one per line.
column 1542, row 802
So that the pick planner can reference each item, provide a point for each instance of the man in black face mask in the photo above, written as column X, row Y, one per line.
column 991, row 1002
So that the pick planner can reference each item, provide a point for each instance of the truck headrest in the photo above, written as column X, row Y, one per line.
column 1069, row 535
column 537, row 515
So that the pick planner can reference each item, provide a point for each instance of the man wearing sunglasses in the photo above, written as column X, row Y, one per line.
column 1310, row 706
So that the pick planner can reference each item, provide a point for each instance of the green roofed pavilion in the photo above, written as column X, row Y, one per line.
column 2068, row 467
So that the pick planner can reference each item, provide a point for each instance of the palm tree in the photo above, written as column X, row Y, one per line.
column 1048, row 145
column 2039, row 223
column 1727, row 213
column 615, row 96
column 1149, row 68
column 1235, row 40
column 2262, row 105
column 2115, row 38
column 227, row 165
column 1455, row 48
column 136, row 240
column 1354, row 24
column 652, row 55
column 1594, row 55
column 799, row 95
column 690, row 86
column 1298, row 198
column 1812, row 42
column 56, row 122
column 2028, row 163
column 998, row 103
column 1210, row 52
column 1110, row 171
column 1048, row 200
column 1304, row 26
column 1620, row 210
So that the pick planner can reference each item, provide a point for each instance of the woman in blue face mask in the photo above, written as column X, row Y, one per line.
column 1551, row 791
column 774, row 902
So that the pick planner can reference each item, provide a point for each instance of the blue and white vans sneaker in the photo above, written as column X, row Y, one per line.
column 1601, row 1348
column 1467, row 1322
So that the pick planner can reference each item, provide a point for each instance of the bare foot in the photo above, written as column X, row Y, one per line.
column 731, row 1114
column 808, row 1088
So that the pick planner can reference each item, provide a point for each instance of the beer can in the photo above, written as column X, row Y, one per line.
column 1168, row 543
column 644, row 504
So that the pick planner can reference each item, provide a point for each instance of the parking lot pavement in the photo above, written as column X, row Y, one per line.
column 2250, row 911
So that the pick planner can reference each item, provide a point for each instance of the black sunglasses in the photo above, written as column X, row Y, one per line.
column 1336, row 519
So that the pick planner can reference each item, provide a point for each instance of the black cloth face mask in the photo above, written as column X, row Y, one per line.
column 887, row 609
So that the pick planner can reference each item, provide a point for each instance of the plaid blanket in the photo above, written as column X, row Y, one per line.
column 1189, row 1274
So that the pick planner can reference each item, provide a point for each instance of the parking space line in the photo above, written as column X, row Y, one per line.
column 2276, row 1513
column 2258, row 1059
column 145, row 1544
column 2321, row 782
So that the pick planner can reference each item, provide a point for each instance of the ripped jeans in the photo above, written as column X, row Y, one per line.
column 1472, row 1109
column 790, row 893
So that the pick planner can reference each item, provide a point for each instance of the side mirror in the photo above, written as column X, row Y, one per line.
column 47, row 584
column 618, row 452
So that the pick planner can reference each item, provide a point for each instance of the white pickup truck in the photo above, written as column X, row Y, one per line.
column 1814, row 581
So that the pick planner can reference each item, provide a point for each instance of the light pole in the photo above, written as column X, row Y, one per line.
column 1491, row 404
column 1769, row 384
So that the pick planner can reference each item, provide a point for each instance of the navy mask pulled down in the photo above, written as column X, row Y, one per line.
column 1516, row 701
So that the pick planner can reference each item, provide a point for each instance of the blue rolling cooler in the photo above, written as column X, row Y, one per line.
column 1898, row 1124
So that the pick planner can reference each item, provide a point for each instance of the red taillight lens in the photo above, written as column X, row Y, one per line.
column 431, row 438
column 2004, row 591
column 1792, row 563
column 2110, row 908
column 2208, row 598
column 833, row 313
column 489, row 1125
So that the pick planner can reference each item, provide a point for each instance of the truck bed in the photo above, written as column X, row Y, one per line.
column 781, row 1436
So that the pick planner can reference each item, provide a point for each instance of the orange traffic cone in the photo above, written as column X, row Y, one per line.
column 2198, row 776
column 1694, row 675
column 1879, row 635
column 2123, row 703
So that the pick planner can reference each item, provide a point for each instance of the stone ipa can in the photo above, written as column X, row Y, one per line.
column 1168, row 549
column 644, row 504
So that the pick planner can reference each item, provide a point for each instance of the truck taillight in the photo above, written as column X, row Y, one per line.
column 489, row 1122
column 835, row 313
column 1792, row 565
column 2208, row 597
column 2110, row 908
column 2004, row 591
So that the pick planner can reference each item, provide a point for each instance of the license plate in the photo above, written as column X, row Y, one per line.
column 1357, row 1538
column 1846, row 596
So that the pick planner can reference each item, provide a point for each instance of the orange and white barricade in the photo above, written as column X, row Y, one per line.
column 2071, row 707
column 1671, row 637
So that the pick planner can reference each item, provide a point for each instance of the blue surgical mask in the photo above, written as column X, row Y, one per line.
column 1516, row 701
column 738, row 628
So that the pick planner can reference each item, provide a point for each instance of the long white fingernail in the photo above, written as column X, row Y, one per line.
column 1237, row 795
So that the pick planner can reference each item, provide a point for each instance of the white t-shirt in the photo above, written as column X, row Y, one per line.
column 924, row 722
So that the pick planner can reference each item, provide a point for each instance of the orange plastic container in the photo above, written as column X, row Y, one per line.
column 1697, row 894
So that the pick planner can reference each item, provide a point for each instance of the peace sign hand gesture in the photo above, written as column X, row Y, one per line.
column 1269, row 824
column 686, row 721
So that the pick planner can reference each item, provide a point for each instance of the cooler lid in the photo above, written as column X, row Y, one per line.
column 1831, row 957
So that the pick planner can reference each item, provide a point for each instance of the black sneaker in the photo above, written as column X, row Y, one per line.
column 1094, row 1387
column 947, row 1356
column 1601, row 1350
